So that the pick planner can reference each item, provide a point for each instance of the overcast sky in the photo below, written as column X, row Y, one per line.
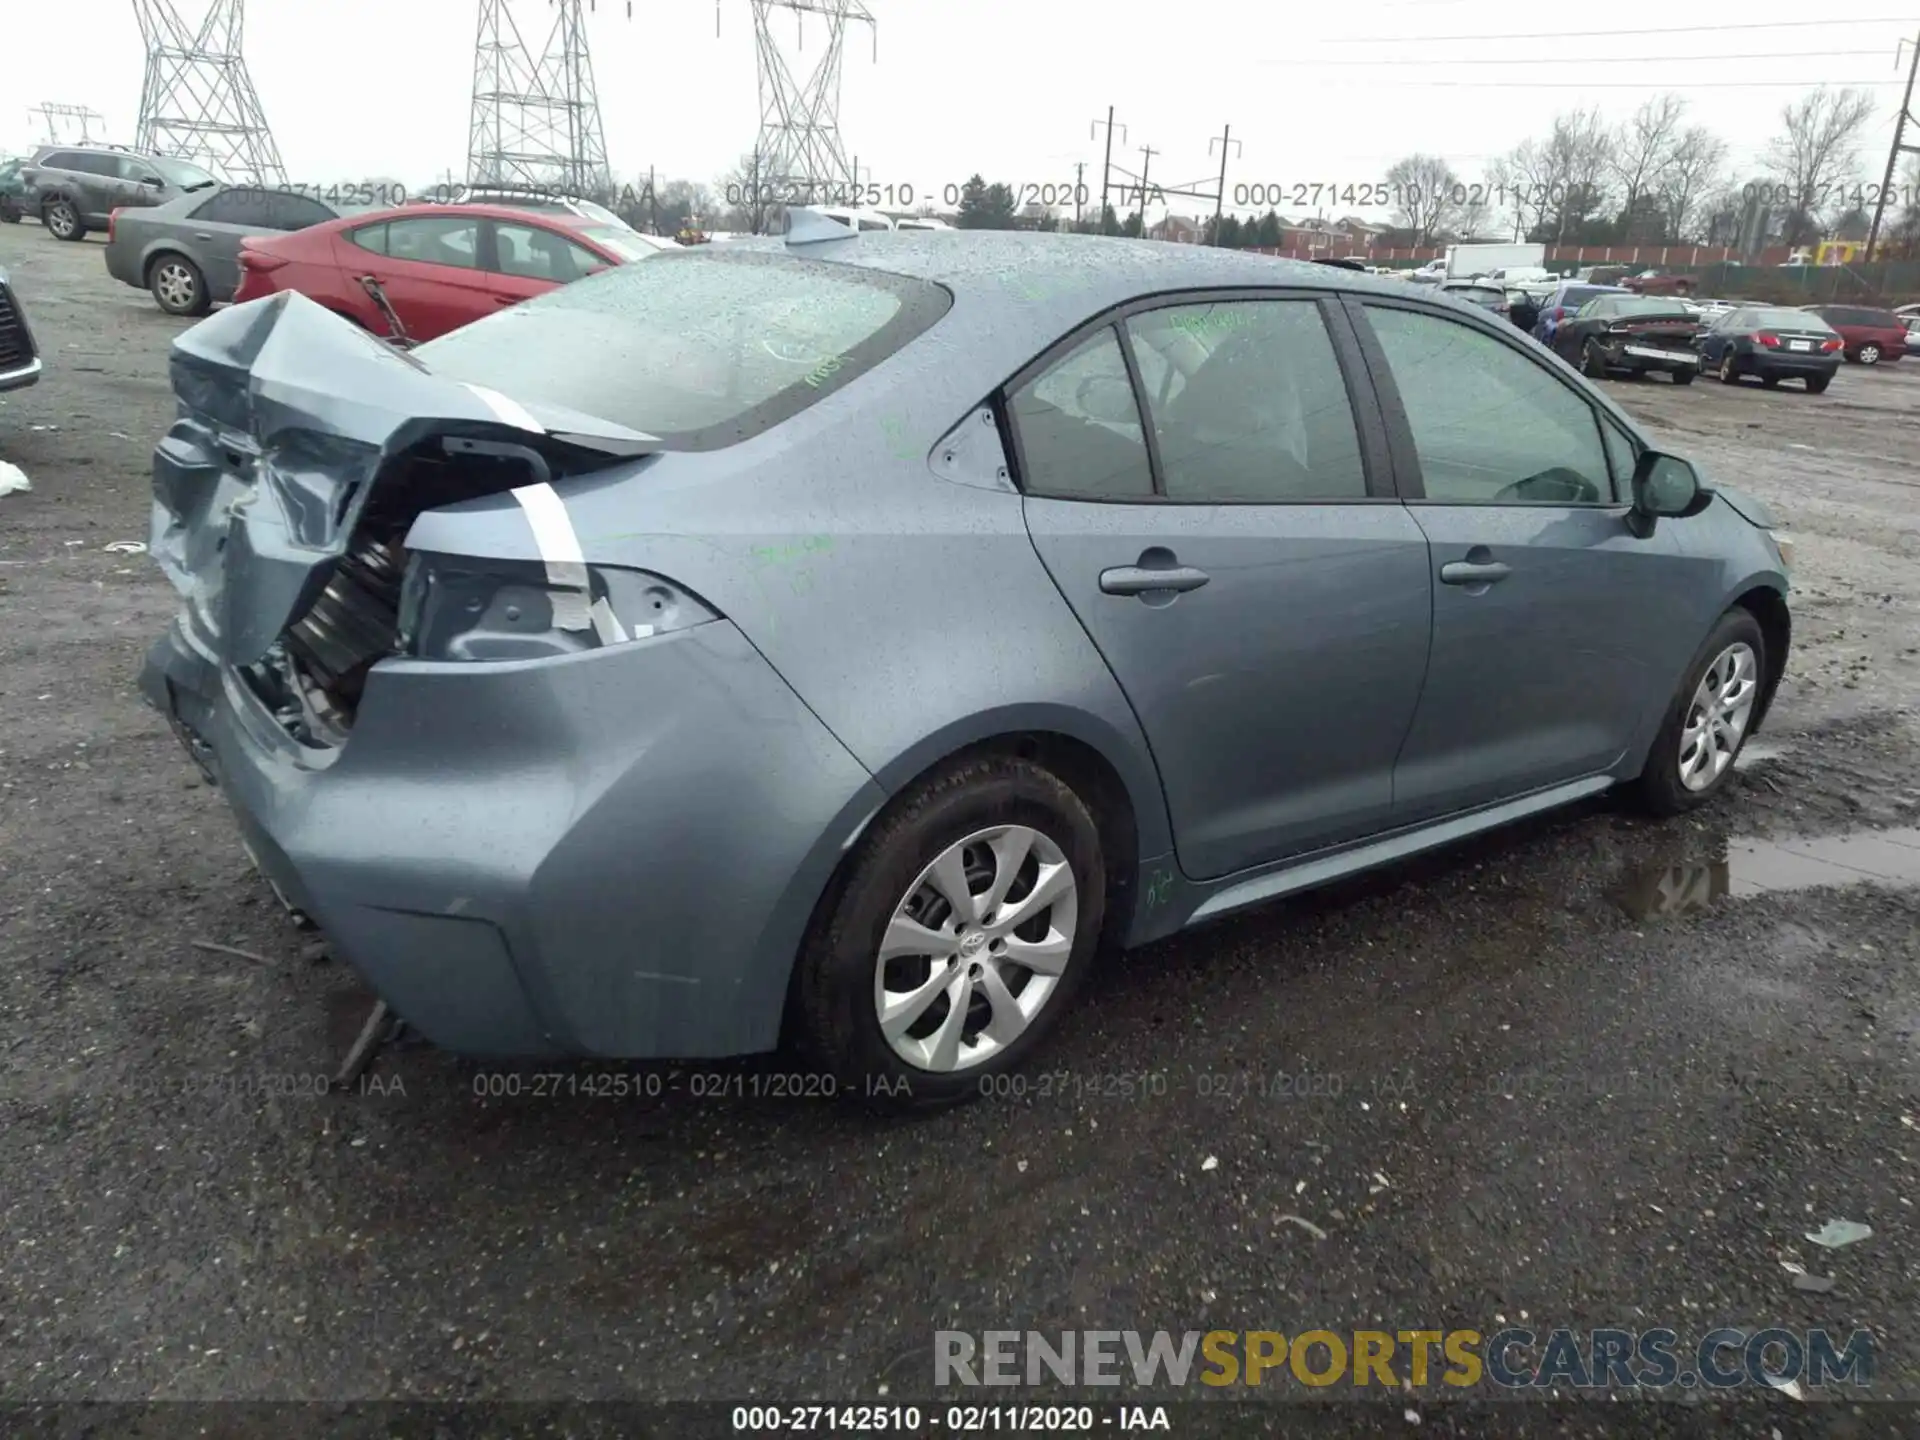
column 1006, row 87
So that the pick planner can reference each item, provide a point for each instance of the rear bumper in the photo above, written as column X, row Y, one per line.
column 123, row 266
column 615, row 854
column 1791, row 366
column 1627, row 355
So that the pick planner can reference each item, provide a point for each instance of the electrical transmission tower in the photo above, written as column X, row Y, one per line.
column 536, row 123
column 54, row 114
column 198, row 102
column 799, row 149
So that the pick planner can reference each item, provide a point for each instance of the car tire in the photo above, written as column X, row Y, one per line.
column 1683, row 377
column 1817, row 384
column 177, row 285
column 9, row 213
column 1868, row 354
column 1593, row 364
column 1729, row 369
column 1663, row 787
column 962, row 820
column 62, row 220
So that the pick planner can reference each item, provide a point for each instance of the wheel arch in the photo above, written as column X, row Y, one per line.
column 162, row 250
column 1769, row 609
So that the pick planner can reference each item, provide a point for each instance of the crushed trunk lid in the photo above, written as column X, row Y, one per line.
column 289, row 417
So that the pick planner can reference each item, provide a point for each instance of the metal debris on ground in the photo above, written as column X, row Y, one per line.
column 235, row 950
column 381, row 1027
column 1836, row 1233
column 12, row 478
column 126, row 547
column 1307, row 1225
column 1815, row 1284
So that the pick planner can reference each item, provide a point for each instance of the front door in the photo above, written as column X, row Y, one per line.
column 530, row 260
column 1548, row 612
column 1262, row 602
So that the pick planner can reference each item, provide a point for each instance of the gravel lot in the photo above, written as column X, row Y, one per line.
column 1585, row 1116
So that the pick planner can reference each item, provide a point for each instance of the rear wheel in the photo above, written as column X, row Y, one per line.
column 9, row 212
column 178, row 286
column 1593, row 364
column 1817, row 384
column 1868, row 354
column 62, row 220
column 963, row 929
column 1729, row 371
column 1683, row 377
column 1708, row 720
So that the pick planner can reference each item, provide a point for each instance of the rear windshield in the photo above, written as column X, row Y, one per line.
column 699, row 349
column 1575, row 296
column 1789, row 320
column 1646, row 305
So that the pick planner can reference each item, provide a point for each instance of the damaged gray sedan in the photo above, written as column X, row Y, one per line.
column 838, row 640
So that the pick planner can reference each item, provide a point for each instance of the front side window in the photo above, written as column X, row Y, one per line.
column 181, row 174
column 1491, row 425
column 533, row 253
column 1079, row 426
column 1248, row 403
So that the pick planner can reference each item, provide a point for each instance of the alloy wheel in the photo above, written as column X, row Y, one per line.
column 1726, row 367
column 60, row 220
column 1869, row 354
column 1717, row 716
column 174, row 285
column 975, row 948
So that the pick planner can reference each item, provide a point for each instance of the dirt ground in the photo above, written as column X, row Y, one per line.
column 1587, row 1109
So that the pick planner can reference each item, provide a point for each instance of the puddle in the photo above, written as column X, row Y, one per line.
column 1760, row 867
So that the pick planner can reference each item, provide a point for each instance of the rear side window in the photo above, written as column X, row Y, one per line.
column 86, row 164
column 1248, row 403
column 697, row 349
column 1079, row 427
column 370, row 237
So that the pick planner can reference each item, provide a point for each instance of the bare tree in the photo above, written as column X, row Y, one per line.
column 1519, row 185
column 1475, row 209
column 1642, row 152
column 1578, row 155
column 1816, row 153
column 747, row 194
column 1423, row 188
column 1695, row 171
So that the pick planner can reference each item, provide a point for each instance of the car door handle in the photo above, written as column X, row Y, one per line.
column 201, row 235
column 1139, row 580
column 506, row 299
column 1467, row 572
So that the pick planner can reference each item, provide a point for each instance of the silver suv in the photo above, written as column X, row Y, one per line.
column 75, row 188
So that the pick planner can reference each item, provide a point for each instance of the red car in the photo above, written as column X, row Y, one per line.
column 440, row 266
column 1869, row 335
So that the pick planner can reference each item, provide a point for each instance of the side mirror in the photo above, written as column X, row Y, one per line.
column 153, row 182
column 1663, row 485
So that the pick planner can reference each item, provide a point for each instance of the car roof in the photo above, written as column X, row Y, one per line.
column 558, row 219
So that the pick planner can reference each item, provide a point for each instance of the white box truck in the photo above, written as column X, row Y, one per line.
column 1466, row 261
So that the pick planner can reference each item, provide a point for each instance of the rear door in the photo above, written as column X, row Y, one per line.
column 430, row 269
column 93, row 179
column 1239, row 560
column 1553, row 625
column 528, row 260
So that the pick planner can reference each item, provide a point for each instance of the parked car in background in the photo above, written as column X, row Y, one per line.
column 1431, row 273
column 1906, row 311
column 19, row 356
column 1602, row 274
column 1523, row 309
column 921, row 222
column 76, row 188
column 1485, row 294
column 13, row 191
column 1709, row 311
column 1567, row 297
column 1913, row 334
column 1869, row 335
column 1773, row 343
column 186, row 253
column 625, row 595
column 1637, row 334
column 1652, row 282
column 440, row 266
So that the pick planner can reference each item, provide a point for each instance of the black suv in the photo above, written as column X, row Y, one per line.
column 76, row 187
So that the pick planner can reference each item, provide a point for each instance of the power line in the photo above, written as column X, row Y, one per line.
column 1588, row 59
column 1595, row 34
column 1637, row 85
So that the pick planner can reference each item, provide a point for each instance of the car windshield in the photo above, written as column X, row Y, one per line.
column 699, row 349
column 1784, row 319
column 180, row 174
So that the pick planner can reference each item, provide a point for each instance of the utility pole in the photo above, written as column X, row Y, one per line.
column 1079, row 189
column 1225, row 139
column 1147, row 152
column 1904, row 119
column 1106, row 166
